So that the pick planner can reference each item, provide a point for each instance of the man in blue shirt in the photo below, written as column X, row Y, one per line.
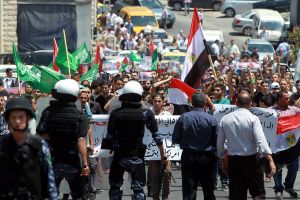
column 195, row 132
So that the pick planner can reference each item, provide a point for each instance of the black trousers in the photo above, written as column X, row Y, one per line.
column 245, row 172
column 197, row 166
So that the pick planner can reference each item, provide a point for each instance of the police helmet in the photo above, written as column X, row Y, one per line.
column 18, row 104
column 66, row 90
column 132, row 92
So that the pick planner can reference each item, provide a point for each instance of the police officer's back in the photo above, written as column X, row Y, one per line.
column 25, row 163
column 66, row 127
column 125, row 129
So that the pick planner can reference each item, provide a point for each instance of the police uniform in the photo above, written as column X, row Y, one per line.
column 126, row 127
column 65, row 124
column 25, row 169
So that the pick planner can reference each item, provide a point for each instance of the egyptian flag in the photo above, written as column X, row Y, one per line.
column 55, row 51
column 99, row 58
column 196, row 60
column 151, row 48
column 179, row 95
column 287, row 141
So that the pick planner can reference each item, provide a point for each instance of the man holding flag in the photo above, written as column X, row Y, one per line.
column 284, row 109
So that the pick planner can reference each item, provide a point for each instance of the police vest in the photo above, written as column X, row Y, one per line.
column 20, row 168
column 63, row 120
column 130, row 127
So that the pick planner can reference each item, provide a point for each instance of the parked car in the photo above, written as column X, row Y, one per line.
column 155, row 5
column 232, row 7
column 207, row 4
column 264, row 47
column 242, row 22
column 278, row 5
column 274, row 24
column 140, row 17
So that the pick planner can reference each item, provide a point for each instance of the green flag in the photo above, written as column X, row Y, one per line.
column 125, row 64
column 91, row 74
column 154, row 60
column 24, row 73
column 82, row 55
column 61, row 58
column 135, row 57
column 48, row 78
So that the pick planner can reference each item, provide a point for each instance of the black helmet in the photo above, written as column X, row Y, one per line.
column 18, row 104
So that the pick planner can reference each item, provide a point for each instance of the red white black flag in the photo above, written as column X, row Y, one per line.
column 196, row 60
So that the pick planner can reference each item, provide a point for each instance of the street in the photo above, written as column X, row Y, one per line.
column 176, row 191
column 213, row 20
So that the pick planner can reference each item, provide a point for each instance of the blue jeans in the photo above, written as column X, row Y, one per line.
column 187, row 8
column 289, row 179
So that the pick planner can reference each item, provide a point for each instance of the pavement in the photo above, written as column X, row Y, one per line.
column 176, row 189
column 213, row 20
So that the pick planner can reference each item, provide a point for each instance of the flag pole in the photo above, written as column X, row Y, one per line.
column 67, row 53
column 19, row 86
column 209, row 58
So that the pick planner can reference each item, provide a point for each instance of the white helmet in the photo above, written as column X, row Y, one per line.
column 66, row 90
column 132, row 91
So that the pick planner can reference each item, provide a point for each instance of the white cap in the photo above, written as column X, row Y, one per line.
column 275, row 85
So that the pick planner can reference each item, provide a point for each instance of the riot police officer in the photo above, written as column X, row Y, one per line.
column 125, row 131
column 66, row 128
column 25, row 163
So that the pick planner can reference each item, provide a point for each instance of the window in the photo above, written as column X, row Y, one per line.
column 143, row 20
column 262, row 48
column 151, row 4
column 272, row 26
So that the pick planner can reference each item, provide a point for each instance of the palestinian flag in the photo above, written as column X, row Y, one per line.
column 179, row 95
column 196, row 60
column 124, row 65
column 287, row 142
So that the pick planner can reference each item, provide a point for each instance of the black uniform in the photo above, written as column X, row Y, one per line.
column 65, row 124
column 126, row 127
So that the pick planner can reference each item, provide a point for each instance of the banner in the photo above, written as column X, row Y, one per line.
column 268, row 119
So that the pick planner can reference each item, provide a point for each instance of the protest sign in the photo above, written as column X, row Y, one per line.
column 165, row 126
column 146, row 63
column 268, row 118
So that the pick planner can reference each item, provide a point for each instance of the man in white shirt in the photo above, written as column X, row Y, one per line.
column 215, row 48
column 232, row 49
column 264, row 34
column 245, row 139
column 9, row 81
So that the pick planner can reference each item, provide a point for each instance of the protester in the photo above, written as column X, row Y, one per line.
column 25, row 161
column 154, row 166
column 198, row 149
column 244, row 135
column 187, row 5
column 284, row 109
column 9, row 81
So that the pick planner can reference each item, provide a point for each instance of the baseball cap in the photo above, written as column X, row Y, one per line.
column 275, row 85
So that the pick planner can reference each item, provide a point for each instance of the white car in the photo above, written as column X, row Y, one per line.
column 242, row 22
column 264, row 47
column 232, row 7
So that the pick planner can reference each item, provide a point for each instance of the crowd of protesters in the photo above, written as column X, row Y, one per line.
column 270, row 85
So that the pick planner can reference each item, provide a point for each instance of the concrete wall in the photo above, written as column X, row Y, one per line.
column 8, row 23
